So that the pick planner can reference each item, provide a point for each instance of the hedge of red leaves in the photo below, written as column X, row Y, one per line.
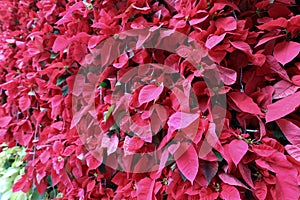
column 256, row 45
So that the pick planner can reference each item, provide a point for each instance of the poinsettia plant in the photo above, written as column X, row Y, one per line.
column 220, row 123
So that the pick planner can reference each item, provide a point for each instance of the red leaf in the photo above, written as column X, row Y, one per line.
column 145, row 189
column 243, row 46
column 283, row 107
column 246, row 174
column 267, row 39
column 229, row 193
column 60, row 44
column 294, row 151
column 92, row 162
column 228, row 76
column 226, row 23
column 111, row 143
column 244, row 102
column 287, row 186
column 4, row 121
column 209, row 169
column 22, row 184
column 68, row 15
column 122, row 61
column 193, row 22
column 56, row 103
column 260, row 190
column 237, row 150
column 149, row 93
column 44, row 157
column 285, row 52
column 188, row 163
column 94, row 41
column 24, row 102
column 273, row 24
column 69, row 150
column 211, row 141
column 296, row 80
column 180, row 120
column 131, row 145
column 283, row 89
column 290, row 130
column 273, row 64
column 90, row 186
column 213, row 40
column 231, row 180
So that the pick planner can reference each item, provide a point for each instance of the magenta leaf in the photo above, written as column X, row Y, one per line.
column 237, row 150
column 294, row 151
column 213, row 40
column 244, row 102
column 229, row 193
column 188, row 163
column 290, row 130
column 282, row 107
column 285, row 52
column 283, row 89
column 231, row 180
column 149, row 93
column 60, row 43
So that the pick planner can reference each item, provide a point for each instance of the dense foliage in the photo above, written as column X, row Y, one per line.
column 255, row 45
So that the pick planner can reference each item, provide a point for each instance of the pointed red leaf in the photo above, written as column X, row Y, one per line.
column 131, row 145
column 24, row 102
column 244, row 102
column 60, row 43
column 4, row 121
column 260, row 190
column 285, row 52
column 188, row 163
column 180, row 120
column 213, row 40
column 23, row 184
column 231, row 180
column 283, row 107
column 226, row 23
column 283, row 89
column 229, row 193
column 228, row 76
column 267, row 39
column 273, row 24
column 237, row 150
column 294, row 151
column 149, row 93
column 246, row 174
column 92, row 162
column 290, row 130
column 145, row 189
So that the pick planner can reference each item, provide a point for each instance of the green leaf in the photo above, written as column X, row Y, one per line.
column 11, row 172
column 18, row 196
column 65, row 90
column 102, row 168
column 183, row 177
column 61, row 79
column 108, row 112
column 6, row 184
column 173, row 166
column 36, row 195
column 53, row 55
column 103, row 84
column 49, row 179
column 219, row 156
